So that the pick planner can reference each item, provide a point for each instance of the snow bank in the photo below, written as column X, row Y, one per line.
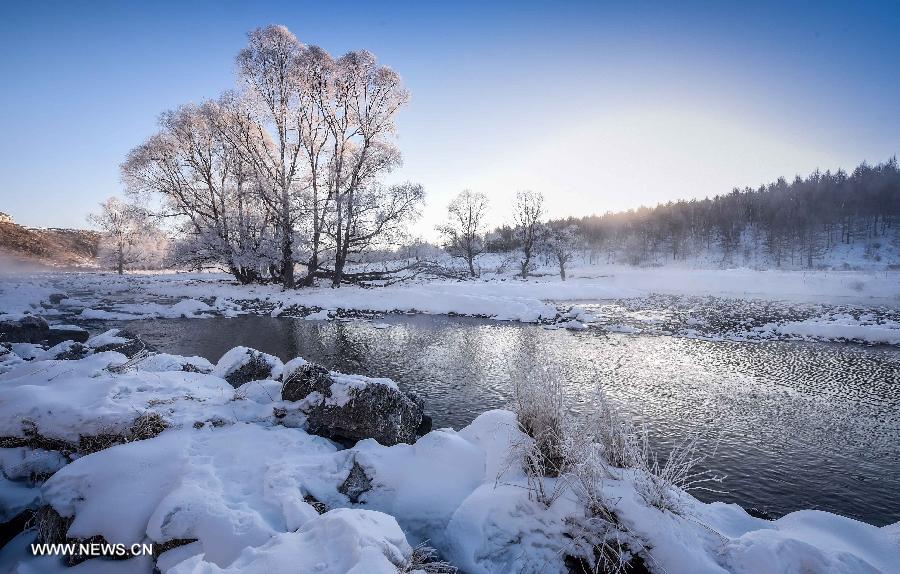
column 838, row 327
column 244, row 494
column 813, row 541
column 21, row 296
column 496, row 295
column 188, row 308
column 227, row 487
column 341, row 541
column 486, row 525
column 65, row 400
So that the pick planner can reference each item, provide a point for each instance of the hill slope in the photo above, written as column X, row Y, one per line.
column 52, row 247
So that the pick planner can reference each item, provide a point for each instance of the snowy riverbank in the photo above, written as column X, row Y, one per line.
column 836, row 305
column 226, row 479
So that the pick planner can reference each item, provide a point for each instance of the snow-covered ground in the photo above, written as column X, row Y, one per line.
column 235, row 483
column 231, row 484
column 845, row 298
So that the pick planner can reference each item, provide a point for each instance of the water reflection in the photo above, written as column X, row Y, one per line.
column 797, row 425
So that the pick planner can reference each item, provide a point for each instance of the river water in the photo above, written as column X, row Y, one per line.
column 792, row 425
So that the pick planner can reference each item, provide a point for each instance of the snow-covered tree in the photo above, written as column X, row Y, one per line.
column 463, row 233
column 207, row 188
column 126, row 234
column 286, row 168
column 267, row 67
column 527, row 213
column 364, row 100
column 378, row 217
column 561, row 243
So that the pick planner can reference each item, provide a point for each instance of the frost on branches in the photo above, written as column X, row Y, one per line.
column 285, row 169
column 129, row 240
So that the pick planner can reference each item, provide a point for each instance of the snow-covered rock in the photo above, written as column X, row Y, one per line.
column 243, row 364
column 67, row 400
column 349, row 408
column 69, row 350
column 160, row 362
column 107, row 338
column 118, row 340
column 838, row 327
column 29, row 329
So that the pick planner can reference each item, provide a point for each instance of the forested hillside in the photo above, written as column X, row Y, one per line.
column 802, row 223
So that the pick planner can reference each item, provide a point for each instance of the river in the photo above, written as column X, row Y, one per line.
column 792, row 425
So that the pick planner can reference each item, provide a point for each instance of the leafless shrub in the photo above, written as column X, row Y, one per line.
column 599, row 541
column 658, row 484
column 602, row 547
column 540, row 413
column 623, row 445
column 425, row 559
column 147, row 425
column 613, row 431
column 560, row 457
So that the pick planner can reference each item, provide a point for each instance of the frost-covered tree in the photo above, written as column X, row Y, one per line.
column 527, row 213
column 286, row 169
column 315, row 80
column 364, row 100
column 561, row 243
column 123, row 227
column 463, row 233
column 330, row 123
column 267, row 68
column 208, row 189
column 378, row 218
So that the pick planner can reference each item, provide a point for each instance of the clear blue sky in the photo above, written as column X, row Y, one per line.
column 599, row 106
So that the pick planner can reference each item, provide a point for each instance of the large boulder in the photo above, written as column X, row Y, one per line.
column 69, row 351
column 350, row 408
column 30, row 329
column 59, row 333
column 302, row 380
column 119, row 340
column 242, row 364
column 56, row 298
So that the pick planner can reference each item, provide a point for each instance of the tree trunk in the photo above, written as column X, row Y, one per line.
column 287, row 247
column 526, row 263
column 311, row 267
column 120, row 260
column 338, row 238
column 338, row 273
